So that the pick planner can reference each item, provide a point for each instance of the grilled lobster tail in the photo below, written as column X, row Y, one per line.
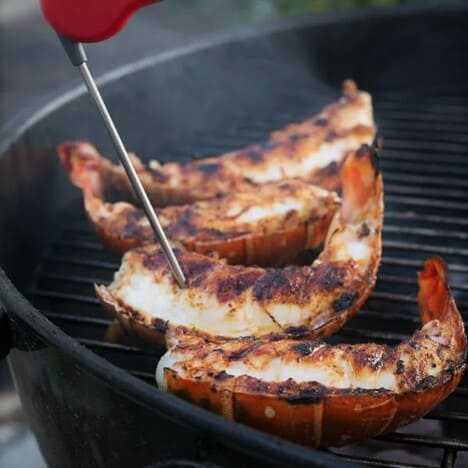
column 233, row 301
column 318, row 394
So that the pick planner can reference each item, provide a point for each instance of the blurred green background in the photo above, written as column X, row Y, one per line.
column 262, row 9
column 296, row 7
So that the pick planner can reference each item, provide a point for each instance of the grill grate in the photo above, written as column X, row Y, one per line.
column 424, row 164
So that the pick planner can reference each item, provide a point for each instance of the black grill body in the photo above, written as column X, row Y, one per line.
column 94, row 403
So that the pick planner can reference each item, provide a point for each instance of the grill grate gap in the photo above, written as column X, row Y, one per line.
column 425, row 167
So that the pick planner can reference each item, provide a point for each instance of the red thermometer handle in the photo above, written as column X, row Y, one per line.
column 90, row 20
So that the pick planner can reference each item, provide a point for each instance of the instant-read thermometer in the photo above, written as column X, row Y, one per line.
column 77, row 21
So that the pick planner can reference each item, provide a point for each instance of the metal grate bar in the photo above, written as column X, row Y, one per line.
column 405, row 262
column 461, row 391
column 420, row 104
column 426, row 218
column 427, row 232
column 423, row 168
column 400, row 280
column 81, row 320
column 387, row 315
column 454, row 141
column 417, row 156
column 403, row 124
column 391, row 297
column 380, row 463
column 103, row 345
column 366, row 335
column 423, row 181
column 416, row 439
column 80, row 262
column 80, row 244
column 80, row 298
column 408, row 116
column 398, row 188
column 437, row 249
column 77, row 279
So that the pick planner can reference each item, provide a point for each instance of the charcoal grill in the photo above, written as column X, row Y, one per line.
column 94, row 403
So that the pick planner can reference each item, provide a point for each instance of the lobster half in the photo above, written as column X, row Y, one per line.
column 265, row 224
column 326, row 395
column 223, row 300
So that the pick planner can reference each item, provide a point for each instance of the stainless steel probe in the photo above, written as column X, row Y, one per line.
column 77, row 55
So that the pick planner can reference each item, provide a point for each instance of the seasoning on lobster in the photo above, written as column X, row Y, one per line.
column 319, row 394
column 234, row 300
column 266, row 224
column 313, row 150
